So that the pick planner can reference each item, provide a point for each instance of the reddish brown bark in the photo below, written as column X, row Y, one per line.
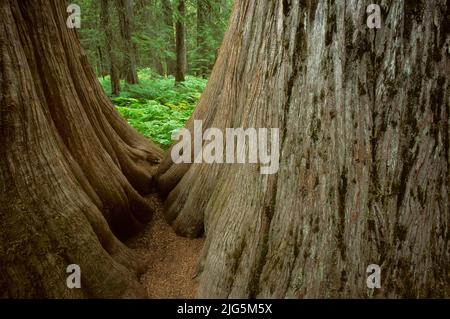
column 73, row 172
column 364, row 171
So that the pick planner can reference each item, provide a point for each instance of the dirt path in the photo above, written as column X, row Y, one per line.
column 171, row 259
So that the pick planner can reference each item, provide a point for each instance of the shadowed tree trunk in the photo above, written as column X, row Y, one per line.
column 203, row 13
column 73, row 172
column 101, row 66
column 125, row 10
column 364, row 167
column 168, row 20
column 180, row 42
column 114, row 73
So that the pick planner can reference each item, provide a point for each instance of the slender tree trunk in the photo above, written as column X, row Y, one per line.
column 73, row 172
column 114, row 73
column 101, row 68
column 168, row 20
column 364, row 168
column 180, row 42
column 125, row 9
column 203, row 11
column 158, row 66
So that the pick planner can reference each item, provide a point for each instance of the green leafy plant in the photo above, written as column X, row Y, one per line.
column 157, row 107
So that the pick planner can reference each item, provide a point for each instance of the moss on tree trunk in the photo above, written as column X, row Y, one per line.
column 364, row 172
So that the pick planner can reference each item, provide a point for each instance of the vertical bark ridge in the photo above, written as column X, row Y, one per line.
column 363, row 176
column 72, row 171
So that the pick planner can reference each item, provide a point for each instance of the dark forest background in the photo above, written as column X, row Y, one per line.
column 153, row 57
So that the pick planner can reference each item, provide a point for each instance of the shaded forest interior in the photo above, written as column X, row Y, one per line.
column 153, row 58
column 356, row 98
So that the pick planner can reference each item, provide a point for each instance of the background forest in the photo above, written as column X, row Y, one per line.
column 153, row 57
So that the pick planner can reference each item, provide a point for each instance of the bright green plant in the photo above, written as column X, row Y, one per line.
column 157, row 107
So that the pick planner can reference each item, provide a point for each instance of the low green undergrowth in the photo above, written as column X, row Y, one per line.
column 157, row 107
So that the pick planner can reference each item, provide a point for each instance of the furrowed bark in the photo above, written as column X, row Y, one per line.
column 364, row 169
column 73, row 172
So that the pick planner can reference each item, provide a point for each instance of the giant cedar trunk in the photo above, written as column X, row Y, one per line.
column 73, row 172
column 364, row 171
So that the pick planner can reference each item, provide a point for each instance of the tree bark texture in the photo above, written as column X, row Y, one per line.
column 364, row 168
column 73, row 172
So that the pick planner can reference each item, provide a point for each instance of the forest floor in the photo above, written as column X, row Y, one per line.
column 171, row 259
